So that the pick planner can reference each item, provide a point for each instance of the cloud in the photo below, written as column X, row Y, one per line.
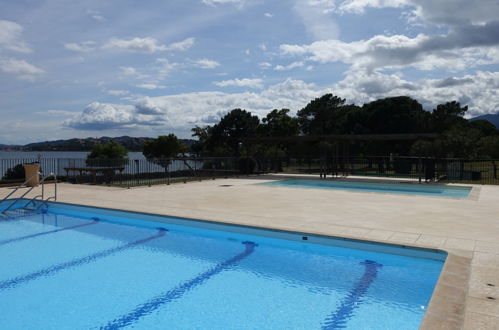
column 265, row 65
column 23, row 69
column 449, row 82
column 269, row 15
column 245, row 82
column 117, row 92
column 85, row 46
column 289, row 66
column 10, row 37
column 206, row 64
column 238, row 3
column 183, row 111
column 461, row 48
column 182, row 45
column 317, row 18
column 96, row 15
column 57, row 113
column 452, row 13
column 150, row 86
column 147, row 45
column 99, row 116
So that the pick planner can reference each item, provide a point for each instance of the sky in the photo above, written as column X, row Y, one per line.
column 147, row 68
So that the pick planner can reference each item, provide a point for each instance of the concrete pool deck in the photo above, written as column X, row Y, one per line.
column 467, row 294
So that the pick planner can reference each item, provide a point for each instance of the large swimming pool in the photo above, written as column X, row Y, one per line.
column 405, row 188
column 74, row 267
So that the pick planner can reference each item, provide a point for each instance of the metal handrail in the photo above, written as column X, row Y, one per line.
column 22, row 185
column 29, row 190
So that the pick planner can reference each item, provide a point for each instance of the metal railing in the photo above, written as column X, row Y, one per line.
column 41, row 196
column 451, row 170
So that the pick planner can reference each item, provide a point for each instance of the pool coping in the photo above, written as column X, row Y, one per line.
column 447, row 305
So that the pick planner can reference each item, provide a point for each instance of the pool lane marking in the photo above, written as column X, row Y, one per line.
column 77, row 262
column 7, row 241
column 178, row 291
column 338, row 319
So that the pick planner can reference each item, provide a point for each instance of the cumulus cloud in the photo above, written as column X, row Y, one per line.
column 23, row 69
column 96, row 15
column 147, row 45
column 10, row 37
column 183, row 111
column 245, row 82
column 463, row 47
column 452, row 13
column 206, row 64
column 97, row 116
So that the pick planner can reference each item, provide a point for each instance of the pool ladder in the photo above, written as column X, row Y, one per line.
column 33, row 205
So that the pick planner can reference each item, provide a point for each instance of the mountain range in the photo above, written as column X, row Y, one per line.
column 493, row 118
column 131, row 143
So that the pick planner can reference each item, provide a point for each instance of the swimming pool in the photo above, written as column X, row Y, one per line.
column 87, row 268
column 383, row 187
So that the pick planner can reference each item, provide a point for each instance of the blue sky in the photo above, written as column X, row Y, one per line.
column 147, row 68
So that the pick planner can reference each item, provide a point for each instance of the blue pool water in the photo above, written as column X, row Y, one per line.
column 383, row 187
column 83, row 268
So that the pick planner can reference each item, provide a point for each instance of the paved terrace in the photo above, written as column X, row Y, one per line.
column 467, row 294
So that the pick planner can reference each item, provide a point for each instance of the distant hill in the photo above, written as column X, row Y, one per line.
column 131, row 143
column 493, row 118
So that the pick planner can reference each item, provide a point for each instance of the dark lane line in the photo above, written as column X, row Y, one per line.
column 77, row 262
column 179, row 291
column 339, row 318
column 17, row 239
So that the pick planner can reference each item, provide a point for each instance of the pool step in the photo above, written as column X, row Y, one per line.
column 18, row 213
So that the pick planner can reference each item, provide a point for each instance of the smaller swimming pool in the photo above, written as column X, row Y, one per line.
column 382, row 187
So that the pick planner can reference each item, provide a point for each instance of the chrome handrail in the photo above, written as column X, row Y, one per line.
column 22, row 185
column 42, row 181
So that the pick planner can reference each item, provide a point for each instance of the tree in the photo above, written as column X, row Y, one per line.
column 278, row 123
column 160, row 149
column 107, row 154
column 232, row 130
column 447, row 116
column 321, row 116
column 14, row 173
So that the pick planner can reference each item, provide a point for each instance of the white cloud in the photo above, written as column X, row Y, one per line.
column 245, row 82
column 129, row 71
column 359, row 6
column 117, row 92
column 85, row 46
column 181, row 45
column 317, row 17
column 461, row 48
column 96, row 15
column 238, row 3
column 150, row 86
column 10, row 37
column 57, row 113
column 291, row 66
column 23, row 69
column 269, row 15
column 147, row 45
column 183, row 111
column 206, row 64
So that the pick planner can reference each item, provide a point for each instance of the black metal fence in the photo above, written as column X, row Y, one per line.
column 125, row 173
column 481, row 171
column 165, row 171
